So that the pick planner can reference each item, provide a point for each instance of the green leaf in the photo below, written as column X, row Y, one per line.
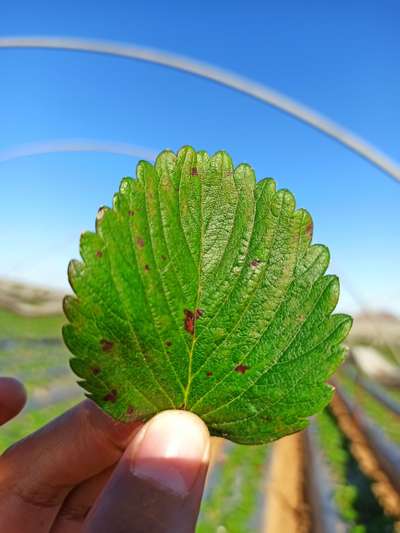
column 200, row 290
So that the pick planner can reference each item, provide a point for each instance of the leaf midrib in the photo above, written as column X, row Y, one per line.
column 198, row 296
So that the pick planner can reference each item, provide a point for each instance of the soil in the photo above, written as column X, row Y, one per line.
column 384, row 491
column 286, row 508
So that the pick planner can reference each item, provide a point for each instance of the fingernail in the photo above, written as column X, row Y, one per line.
column 171, row 450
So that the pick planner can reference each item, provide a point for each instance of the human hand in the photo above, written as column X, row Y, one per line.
column 85, row 473
column 12, row 399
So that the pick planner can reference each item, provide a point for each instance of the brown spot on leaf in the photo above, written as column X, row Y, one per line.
column 194, row 171
column 168, row 343
column 310, row 229
column 111, row 396
column 140, row 242
column 106, row 345
column 255, row 263
column 190, row 319
column 131, row 213
column 163, row 258
column 241, row 369
column 95, row 370
column 129, row 410
column 209, row 374
column 99, row 253
column 147, row 268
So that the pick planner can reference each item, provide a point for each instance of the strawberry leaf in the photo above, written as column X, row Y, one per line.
column 200, row 290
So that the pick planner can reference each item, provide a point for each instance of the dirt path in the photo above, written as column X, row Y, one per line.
column 286, row 509
column 384, row 491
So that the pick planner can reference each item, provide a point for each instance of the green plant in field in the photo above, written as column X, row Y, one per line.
column 387, row 421
column 234, row 501
column 352, row 492
column 200, row 290
column 13, row 326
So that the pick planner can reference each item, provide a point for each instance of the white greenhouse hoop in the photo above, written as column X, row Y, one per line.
column 76, row 145
column 222, row 77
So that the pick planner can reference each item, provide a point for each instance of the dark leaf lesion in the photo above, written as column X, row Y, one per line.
column 241, row 369
column 111, row 396
column 106, row 345
column 190, row 319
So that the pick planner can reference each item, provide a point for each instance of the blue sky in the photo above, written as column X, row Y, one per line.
column 341, row 58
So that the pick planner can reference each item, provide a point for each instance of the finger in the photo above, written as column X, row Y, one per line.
column 158, row 484
column 12, row 398
column 79, row 502
column 38, row 472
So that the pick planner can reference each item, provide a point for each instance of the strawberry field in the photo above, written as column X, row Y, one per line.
column 240, row 286
column 341, row 474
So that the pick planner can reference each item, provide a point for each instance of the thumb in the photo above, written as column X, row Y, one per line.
column 12, row 398
column 158, row 484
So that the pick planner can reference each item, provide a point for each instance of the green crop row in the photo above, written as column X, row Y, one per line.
column 15, row 326
column 387, row 421
column 26, row 354
column 35, row 364
column 234, row 501
column 393, row 393
column 352, row 492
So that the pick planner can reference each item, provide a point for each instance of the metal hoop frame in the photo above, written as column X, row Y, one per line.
column 222, row 77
